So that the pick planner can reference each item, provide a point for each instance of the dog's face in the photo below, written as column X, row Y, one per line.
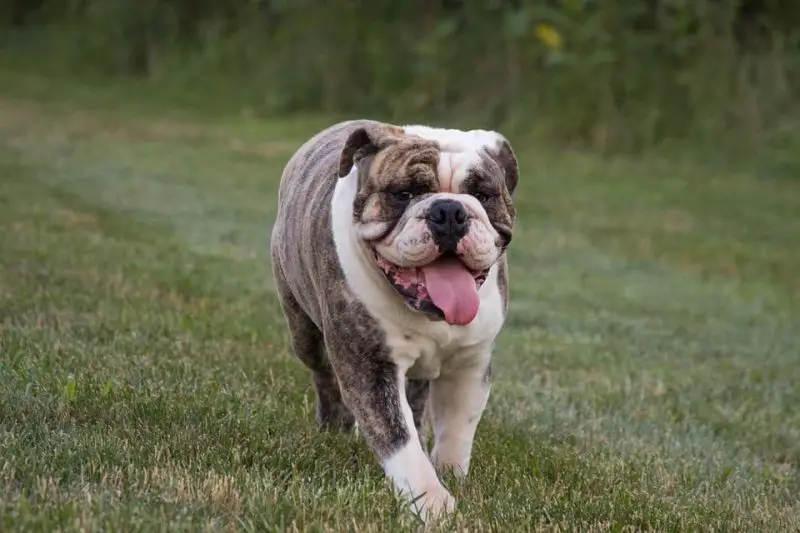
column 435, row 208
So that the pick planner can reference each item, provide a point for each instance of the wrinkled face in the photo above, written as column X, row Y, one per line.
column 436, row 211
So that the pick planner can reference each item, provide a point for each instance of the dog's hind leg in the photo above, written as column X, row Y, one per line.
column 331, row 410
column 417, row 391
column 309, row 346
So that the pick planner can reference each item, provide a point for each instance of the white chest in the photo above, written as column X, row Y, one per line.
column 429, row 349
column 424, row 359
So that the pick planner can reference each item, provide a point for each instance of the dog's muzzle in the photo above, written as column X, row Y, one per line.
column 448, row 221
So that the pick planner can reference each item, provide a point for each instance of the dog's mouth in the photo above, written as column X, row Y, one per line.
column 444, row 289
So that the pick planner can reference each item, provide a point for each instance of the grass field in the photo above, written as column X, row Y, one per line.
column 648, row 377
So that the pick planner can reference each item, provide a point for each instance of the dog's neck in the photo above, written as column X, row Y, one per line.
column 355, row 255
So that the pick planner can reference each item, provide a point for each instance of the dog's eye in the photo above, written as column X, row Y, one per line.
column 481, row 197
column 402, row 196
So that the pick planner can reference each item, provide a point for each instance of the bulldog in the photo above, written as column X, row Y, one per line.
column 389, row 258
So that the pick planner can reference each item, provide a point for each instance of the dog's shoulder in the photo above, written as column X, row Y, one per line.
column 319, row 155
column 301, row 241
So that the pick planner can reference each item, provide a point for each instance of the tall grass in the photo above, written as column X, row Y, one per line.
column 612, row 75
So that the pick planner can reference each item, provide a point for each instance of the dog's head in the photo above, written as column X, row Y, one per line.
column 435, row 207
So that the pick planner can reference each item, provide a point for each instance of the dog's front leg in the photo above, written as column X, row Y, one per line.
column 374, row 389
column 458, row 399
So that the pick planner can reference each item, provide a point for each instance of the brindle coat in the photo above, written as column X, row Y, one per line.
column 331, row 331
column 325, row 321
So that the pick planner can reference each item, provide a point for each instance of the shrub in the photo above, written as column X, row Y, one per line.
column 609, row 74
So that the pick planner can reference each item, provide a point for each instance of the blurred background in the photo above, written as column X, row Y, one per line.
column 611, row 75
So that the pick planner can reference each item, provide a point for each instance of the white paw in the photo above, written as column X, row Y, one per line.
column 458, row 467
column 433, row 503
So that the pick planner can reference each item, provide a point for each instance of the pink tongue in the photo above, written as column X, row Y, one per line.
column 452, row 289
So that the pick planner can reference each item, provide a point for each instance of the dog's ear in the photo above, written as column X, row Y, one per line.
column 365, row 141
column 504, row 155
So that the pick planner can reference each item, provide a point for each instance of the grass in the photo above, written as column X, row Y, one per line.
column 647, row 378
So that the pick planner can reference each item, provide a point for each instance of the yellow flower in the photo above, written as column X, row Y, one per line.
column 549, row 36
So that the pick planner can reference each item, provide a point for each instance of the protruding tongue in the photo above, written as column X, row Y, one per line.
column 452, row 289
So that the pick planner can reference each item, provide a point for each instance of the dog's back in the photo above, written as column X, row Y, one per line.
column 301, row 242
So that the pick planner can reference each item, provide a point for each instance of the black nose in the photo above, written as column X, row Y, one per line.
column 448, row 221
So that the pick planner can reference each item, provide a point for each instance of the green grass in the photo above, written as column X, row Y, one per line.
column 647, row 378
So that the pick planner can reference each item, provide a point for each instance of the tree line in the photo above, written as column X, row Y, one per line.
column 614, row 74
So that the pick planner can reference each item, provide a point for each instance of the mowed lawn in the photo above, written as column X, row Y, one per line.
column 648, row 377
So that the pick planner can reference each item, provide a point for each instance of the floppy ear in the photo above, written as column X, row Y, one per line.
column 504, row 155
column 365, row 141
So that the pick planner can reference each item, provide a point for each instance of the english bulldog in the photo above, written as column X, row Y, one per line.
column 389, row 258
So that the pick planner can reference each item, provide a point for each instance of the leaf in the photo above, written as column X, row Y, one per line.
column 549, row 36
